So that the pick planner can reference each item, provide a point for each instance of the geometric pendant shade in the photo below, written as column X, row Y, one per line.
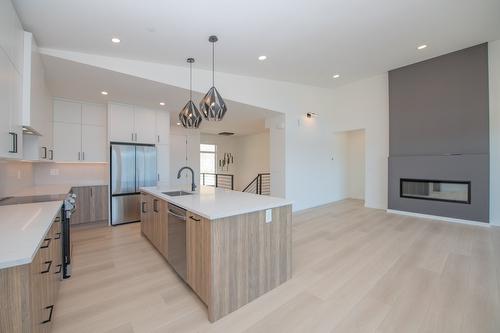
column 189, row 116
column 212, row 105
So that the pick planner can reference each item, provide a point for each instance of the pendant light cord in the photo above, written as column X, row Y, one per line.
column 190, row 81
column 213, row 64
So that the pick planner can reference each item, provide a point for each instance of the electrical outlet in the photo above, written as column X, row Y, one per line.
column 269, row 215
column 54, row 172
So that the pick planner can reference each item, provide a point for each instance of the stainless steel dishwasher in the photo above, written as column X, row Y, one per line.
column 176, row 254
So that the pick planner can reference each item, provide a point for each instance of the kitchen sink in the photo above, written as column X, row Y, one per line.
column 176, row 193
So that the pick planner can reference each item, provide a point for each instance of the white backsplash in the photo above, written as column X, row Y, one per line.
column 14, row 176
column 71, row 173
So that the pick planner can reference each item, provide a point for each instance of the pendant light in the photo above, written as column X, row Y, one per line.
column 189, row 116
column 212, row 105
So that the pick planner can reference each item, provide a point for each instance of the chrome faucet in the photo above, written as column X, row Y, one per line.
column 193, row 185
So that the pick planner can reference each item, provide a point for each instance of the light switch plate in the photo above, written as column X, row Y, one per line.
column 54, row 172
column 269, row 215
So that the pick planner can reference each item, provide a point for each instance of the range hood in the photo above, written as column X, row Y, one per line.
column 30, row 131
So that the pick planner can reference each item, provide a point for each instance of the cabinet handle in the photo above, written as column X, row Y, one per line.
column 132, row 136
column 51, row 154
column 83, row 155
column 59, row 269
column 158, row 139
column 91, row 192
column 155, row 206
column 143, row 207
column 51, row 309
column 14, row 143
column 44, row 149
column 158, row 177
column 79, row 155
column 46, row 245
column 194, row 219
column 48, row 263
column 58, row 235
column 57, row 219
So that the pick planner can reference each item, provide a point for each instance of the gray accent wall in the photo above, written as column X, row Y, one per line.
column 439, row 130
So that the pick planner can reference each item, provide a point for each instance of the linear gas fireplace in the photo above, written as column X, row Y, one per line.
column 437, row 190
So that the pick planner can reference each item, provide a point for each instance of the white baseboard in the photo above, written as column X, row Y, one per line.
column 439, row 218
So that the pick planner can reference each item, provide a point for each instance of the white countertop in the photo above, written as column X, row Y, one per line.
column 214, row 203
column 22, row 229
column 53, row 189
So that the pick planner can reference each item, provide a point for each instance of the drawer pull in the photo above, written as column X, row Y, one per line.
column 155, row 206
column 48, row 263
column 57, row 219
column 51, row 309
column 58, row 235
column 46, row 243
column 59, row 269
column 194, row 219
column 143, row 207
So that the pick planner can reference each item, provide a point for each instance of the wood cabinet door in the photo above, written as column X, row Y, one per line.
column 163, row 228
column 147, row 216
column 83, row 210
column 99, row 203
column 198, row 255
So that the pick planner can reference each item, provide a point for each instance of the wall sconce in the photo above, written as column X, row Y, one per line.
column 224, row 163
column 311, row 114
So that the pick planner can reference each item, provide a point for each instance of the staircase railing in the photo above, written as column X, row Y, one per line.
column 218, row 180
column 260, row 184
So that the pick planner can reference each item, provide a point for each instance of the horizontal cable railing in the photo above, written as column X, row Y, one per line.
column 218, row 180
column 260, row 184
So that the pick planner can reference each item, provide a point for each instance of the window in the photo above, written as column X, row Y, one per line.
column 207, row 164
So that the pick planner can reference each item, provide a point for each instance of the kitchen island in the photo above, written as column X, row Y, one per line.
column 229, row 247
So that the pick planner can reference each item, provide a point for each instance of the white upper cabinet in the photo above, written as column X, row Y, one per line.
column 162, row 127
column 67, row 111
column 144, row 124
column 94, row 143
column 5, row 137
column 37, row 109
column 121, row 123
column 94, row 114
column 11, row 34
column 67, row 142
column 127, row 123
column 79, row 132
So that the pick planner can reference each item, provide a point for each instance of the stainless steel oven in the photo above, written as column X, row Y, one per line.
column 176, row 254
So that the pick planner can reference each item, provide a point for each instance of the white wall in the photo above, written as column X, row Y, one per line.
column 356, row 164
column 253, row 157
column 307, row 143
column 250, row 152
column 277, row 158
column 494, row 77
column 71, row 173
column 14, row 176
column 184, row 151
column 365, row 104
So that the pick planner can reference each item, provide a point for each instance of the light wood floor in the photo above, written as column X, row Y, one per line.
column 355, row 270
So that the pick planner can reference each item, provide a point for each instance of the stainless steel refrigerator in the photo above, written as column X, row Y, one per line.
column 132, row 166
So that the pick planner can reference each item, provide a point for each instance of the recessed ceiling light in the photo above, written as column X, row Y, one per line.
column 115, row 40
column 336, row 76
column 162, row 103
column 178, row 124
column 421, row 47
column 262, row 58
column 104, row 92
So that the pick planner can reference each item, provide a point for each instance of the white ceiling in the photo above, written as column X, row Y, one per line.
column 306, row 41
column 78, row 81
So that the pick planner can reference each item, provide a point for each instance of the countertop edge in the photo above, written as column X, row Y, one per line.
column 154, row 192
